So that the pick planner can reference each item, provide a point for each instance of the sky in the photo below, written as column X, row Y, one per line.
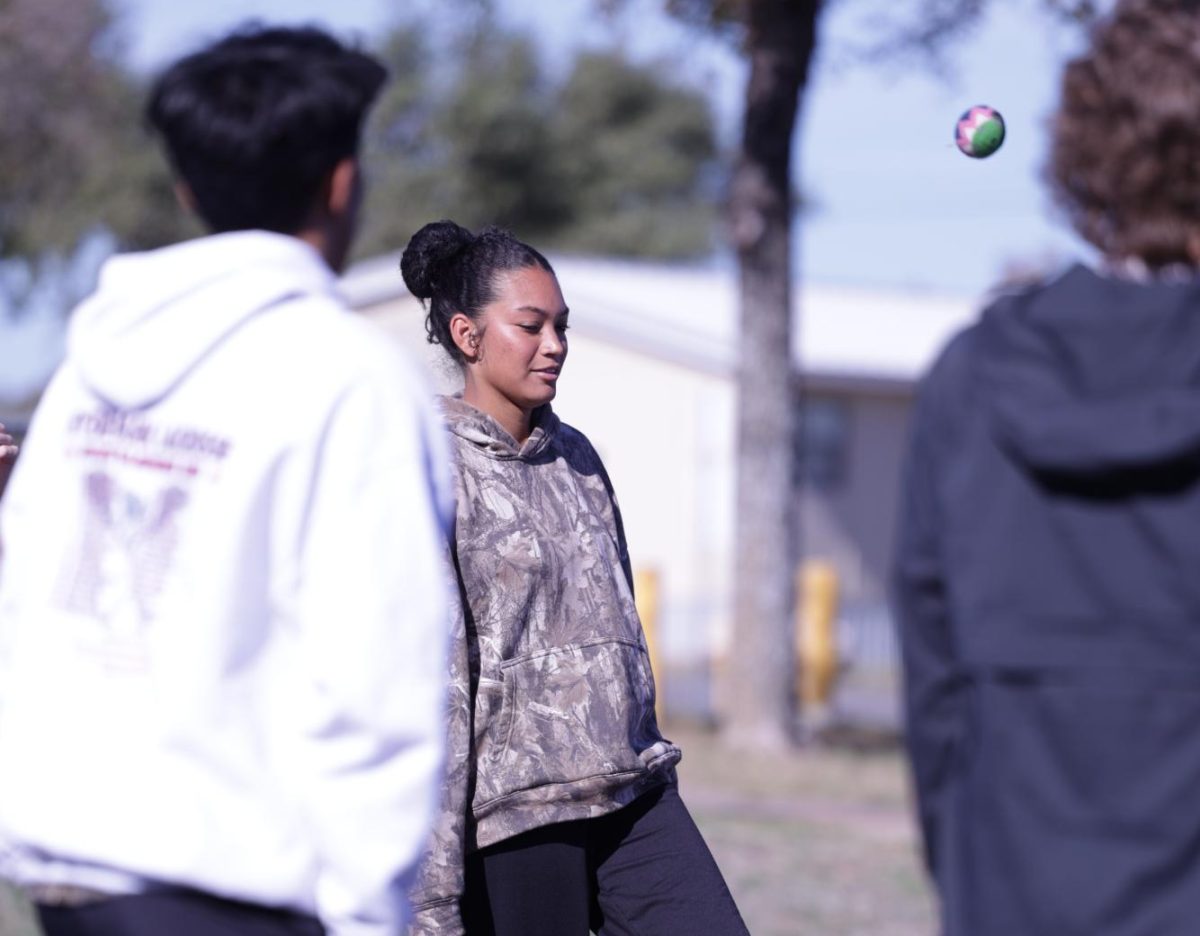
column 897, row 203
column 894, row 205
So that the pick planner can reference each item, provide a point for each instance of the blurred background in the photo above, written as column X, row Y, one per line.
column 611, row 134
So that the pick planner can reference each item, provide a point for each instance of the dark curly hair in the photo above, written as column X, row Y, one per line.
column 456, row 271
column 1125, row 163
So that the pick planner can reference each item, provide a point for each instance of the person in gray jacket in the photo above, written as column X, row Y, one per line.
column 561, row 811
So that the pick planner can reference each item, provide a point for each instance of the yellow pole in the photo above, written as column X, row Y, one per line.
column 646, row 583
column 817, row 633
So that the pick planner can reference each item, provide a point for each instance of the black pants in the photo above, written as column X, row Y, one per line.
column 641, row 871
column 174, row 913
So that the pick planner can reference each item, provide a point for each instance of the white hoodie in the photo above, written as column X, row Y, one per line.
column 222, row 617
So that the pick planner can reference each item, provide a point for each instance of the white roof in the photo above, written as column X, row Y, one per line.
column 688, row 315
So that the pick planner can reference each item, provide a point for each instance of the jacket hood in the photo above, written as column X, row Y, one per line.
column 1091, row 374
column 155, row 315
column 490, row 438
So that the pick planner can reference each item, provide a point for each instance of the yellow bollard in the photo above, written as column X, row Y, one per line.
column 816, row 633
column 645, row 590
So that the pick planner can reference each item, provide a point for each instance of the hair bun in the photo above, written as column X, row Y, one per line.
column 428, row 253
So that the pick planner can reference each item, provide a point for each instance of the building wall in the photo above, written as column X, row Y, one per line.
column 853, row 523
column 666, row 434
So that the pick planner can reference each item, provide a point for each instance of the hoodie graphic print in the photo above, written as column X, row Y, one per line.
column 133, row 345
column 117, row 567
column 554, row 674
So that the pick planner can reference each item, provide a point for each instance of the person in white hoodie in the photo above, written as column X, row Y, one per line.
column 223, row 618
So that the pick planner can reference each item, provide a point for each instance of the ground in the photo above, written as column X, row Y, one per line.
column 14, row 915
column 819, row 841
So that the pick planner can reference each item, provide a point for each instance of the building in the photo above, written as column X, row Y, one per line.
column 650, row 380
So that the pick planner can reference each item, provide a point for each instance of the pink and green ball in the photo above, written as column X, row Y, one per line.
column 979, row 131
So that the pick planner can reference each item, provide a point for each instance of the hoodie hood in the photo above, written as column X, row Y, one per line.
column 1091, row 374
column 490, row 438
column 154, row 316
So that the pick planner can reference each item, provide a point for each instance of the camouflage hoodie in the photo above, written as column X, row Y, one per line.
column 552, row 702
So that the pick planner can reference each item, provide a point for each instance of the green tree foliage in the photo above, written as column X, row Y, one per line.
column 614, row 158
column 497, row 129
column 73, row 156
column 640, row 160
column 402, row 159
column 476, row 149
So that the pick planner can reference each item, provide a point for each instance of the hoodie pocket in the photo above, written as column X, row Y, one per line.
column 571, row 715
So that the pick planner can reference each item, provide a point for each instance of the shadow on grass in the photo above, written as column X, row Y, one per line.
column 860, row 739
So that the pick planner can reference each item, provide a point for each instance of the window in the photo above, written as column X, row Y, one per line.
column 823, row 441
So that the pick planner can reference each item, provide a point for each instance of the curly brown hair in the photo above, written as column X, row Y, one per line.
column 1125, row 162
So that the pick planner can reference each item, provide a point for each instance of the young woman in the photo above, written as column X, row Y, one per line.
column 561, row 807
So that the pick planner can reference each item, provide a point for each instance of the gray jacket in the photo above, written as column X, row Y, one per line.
column 552, row 700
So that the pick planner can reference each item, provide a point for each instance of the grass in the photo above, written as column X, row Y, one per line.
column 16, row 918
column 815, row 841
column 819, row 840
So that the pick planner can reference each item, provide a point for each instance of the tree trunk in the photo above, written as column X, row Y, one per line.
column 759, row 700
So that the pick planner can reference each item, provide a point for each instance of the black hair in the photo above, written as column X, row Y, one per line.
column 255, row 123
column 456, row 271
